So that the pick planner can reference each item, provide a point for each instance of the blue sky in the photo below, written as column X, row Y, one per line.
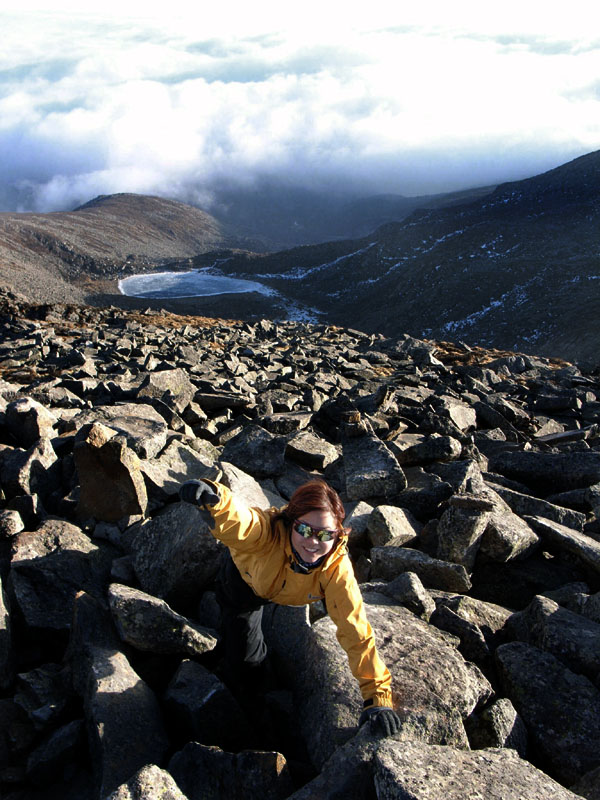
column 354, row 97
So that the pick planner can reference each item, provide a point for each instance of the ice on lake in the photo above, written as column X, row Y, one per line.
column 198, row 283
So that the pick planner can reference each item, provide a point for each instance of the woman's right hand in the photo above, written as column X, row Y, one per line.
column 199, row 493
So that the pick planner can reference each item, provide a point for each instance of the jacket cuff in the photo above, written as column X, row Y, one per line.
column 383, row 700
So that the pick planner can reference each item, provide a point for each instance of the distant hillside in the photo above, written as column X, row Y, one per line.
column 52, row 256
column 517, row 269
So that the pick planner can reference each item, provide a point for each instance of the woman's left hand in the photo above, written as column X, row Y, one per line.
column 383, row 720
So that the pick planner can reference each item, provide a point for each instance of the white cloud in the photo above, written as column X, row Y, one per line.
column 169, row 101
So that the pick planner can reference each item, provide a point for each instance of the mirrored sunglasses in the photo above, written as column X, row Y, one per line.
column 306, row 530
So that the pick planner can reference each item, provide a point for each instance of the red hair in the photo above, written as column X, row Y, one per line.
column 314, row 496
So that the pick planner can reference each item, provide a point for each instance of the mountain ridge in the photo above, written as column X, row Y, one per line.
column 517, row 268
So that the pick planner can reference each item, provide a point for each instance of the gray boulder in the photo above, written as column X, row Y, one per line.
column 423, row 772
column 256, row 451
column 175, row 555
column 408, row 590
column 247, row 488
column 111, row 483
column 357, row 518
column 489, row 618
column 560, row 709
column 31, row 471
column 11, row 523
column 143, row 427
column 50, row 566
column 473, row 644
column 507, row 536
column 329, row 700
column 207, row 773
column 45, row 694
column 150, row 783
column 204, row 710
column 371, row 469
column 48, row 760
column 423, row 493
column 176, row 464
column 170, row 386
column 559, row 537
column 388, row 523
column 499, row 725
column 571, row 638
column 434, row 448
column 390, row 561
column 125, row 727
column 311, row 451
column 148, row 624
column 549, row 472
column 460, row 530
column 527, row 505
column 29, row 421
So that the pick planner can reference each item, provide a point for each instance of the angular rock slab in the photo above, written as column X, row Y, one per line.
column 390, row 561
column 419, row 771
column 571, row 638
column 527, row 505
column 148, row 624
column 171, row 386
column 125, row 727
column 49, row 566
column 560, row 709
column 204, row 710
column 371, row 469
column 256, row 451
column 499, row 725
column 175, row 465
column 424, row 492
column 459, row 534
column 207, row 773
column 387, row 523
column 328, row 697
column 311, row 451
column 348, row 774
column 247, row 488
column 46, row 763
column 549, row 472
column 408, row 590
column 142, row 426
column 568, row 540
column 150, row 783
column 111, row 484
column 507, row 536
column 28, row 421
column 174, row 555
column 28, row 472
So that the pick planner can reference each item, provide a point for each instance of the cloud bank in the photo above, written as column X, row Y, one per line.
column 96, row 103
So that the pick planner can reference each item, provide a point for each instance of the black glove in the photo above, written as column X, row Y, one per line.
column 199, row 493
column 382, row 719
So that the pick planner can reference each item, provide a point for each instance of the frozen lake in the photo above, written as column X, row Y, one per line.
column 198, row 283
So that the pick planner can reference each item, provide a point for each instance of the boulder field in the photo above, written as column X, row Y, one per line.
column 471, row 482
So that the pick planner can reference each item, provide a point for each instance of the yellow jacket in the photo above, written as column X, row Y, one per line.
column 263, row 555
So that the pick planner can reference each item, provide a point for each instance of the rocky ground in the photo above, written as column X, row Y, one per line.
column 471, row 481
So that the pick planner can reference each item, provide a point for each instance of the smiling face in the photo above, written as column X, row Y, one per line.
column 312, row 549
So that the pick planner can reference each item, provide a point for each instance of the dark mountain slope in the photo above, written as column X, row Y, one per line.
column 518, row 269
column 286, row 216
